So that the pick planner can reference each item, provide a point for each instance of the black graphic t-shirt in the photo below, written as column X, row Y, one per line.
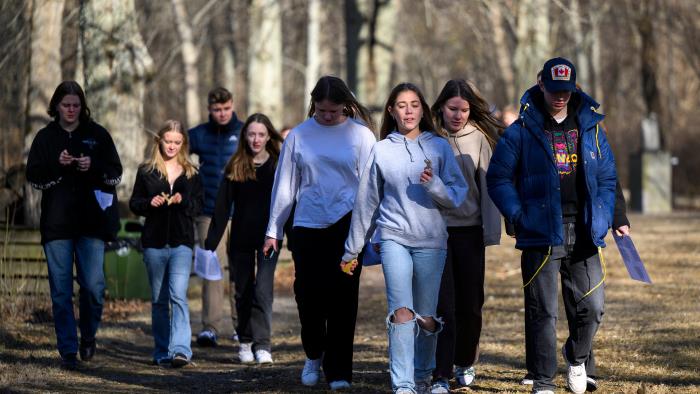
column 564, row 138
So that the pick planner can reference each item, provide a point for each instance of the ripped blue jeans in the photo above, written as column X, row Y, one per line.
column 412, row 277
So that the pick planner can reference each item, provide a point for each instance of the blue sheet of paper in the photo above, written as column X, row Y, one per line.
column 630, row 257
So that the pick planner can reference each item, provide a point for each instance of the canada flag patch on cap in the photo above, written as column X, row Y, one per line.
column 561, row 72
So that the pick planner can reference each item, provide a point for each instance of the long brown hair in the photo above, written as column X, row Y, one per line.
column 240, row 167
column 155, row 160
column 335, row 90
column 388, row 121
column 479, row 114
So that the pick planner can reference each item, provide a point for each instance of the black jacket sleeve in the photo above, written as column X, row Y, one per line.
column 140, row 201
column 620, row 214
column 43, row 171
column 222, row 210
column 105, row 166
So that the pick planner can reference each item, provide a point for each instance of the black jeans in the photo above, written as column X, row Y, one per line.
column 578, row 263
column 326, row 297
column 254, row 295
column 460, row 301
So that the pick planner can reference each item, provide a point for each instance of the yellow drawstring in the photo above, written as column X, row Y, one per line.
column 546, row 258
column 602, row 262
column 597, row 144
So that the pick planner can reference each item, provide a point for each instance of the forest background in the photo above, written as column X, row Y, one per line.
column 144, row 61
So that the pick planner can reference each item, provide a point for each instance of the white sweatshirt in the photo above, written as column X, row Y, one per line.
column 319, row 168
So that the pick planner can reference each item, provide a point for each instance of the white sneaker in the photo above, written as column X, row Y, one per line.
column 576, row 379
column 542, row 392
column 263, row 356
column 311, row 372
column 339, row 385
column 245, row 353
column 527, row 380
column 465, row 376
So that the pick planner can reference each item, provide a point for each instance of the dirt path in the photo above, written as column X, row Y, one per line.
column 648, row 341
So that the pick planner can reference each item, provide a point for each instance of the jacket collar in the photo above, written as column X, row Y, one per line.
column 230, row 127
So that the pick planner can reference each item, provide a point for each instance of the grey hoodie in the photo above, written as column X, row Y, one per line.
column 473, row 153
column 392, row 198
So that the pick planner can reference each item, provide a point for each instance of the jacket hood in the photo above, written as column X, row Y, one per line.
column 466, row 130
column 229, row 127
column 397, row 137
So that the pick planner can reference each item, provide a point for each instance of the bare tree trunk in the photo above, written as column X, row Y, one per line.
column 583, row 76
column 45, row 59
column 189, row 60
column 376, row 56
column 265, row 68
column 47, row 18
column 313, row 47
column 503, row 57
column 532, row 35
column 116, row 66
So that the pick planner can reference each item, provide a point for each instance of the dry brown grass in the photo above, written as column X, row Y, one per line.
column 649, row 341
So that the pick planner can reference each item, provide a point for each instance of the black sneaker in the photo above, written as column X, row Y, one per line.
column 87, row 349
column 206, row 338
column 69, row 362
column 162, row 362
column 591, row 384
column 179, row 360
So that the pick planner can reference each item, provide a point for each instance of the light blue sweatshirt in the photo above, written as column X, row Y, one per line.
column 392, row 198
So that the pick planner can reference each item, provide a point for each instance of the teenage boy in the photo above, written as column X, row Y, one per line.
column 552, row 174
column 215, row 142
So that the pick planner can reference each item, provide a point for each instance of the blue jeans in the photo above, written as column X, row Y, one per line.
column 169, row 274
column 412, row 277
column 88, row 254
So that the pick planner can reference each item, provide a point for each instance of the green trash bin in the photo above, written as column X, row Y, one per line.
column 125, row 272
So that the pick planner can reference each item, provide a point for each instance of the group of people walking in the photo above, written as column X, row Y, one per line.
column 428, row 197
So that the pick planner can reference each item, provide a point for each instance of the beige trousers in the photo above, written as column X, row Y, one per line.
column 213, row 290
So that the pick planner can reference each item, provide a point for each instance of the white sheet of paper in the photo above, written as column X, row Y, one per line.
column 104, row 199
column 206, row 264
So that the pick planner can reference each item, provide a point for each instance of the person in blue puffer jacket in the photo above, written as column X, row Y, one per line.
column 214, row 142
column 553, row 175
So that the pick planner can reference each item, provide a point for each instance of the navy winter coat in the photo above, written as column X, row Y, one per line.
column 523, row 180
column 214, row 145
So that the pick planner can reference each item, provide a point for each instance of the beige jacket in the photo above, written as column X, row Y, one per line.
column 473, row 153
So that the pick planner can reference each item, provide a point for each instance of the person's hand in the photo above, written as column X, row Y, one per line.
column 158, row 201
column 622, row 231
column 175, row 199
column 65, row 159
column 83, row 163
column 427, row 175
column 270, row 243
column 348, row 266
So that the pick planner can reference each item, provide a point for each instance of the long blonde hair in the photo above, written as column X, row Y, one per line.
column 155, row 161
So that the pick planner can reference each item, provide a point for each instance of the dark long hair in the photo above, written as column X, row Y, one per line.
column 479, row 114
column 389, row 123
column 335, row 90
column 63, row 89
column 240, row 167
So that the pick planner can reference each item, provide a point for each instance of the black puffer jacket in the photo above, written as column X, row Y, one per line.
column 171, row 225
column 69, row 207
